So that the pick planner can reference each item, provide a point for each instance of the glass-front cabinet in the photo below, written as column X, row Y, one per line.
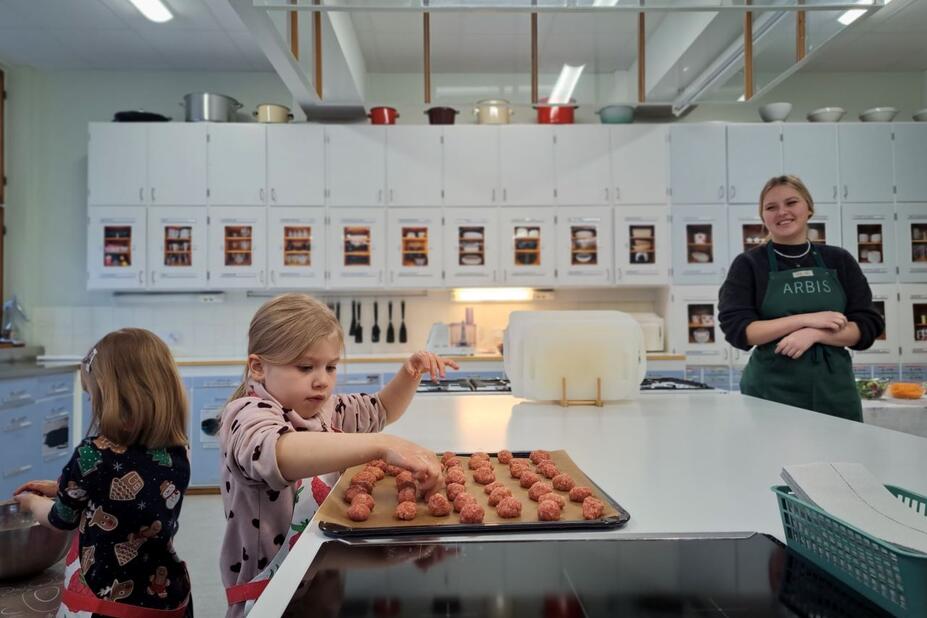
column 642, row 241
column 414, row 253
column 700, row 252
column 912, row 243
column 584, row 246
column 116, row 248
column 177, row 247
column 694, row 329
column 296, row 246
column 357, row 247
column 526, row 246
column 869, row 235
column 237, row 250
column 885, row 348
column 913, row 323
column 471, row 246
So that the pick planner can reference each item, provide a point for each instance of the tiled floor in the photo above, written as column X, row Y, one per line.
column 202, row 525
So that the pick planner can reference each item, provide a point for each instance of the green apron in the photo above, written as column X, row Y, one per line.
column 822, row 378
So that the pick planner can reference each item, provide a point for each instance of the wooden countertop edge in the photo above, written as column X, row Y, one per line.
column 398, row 359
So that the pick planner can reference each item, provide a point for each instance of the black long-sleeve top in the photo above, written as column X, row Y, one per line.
column 742, row 293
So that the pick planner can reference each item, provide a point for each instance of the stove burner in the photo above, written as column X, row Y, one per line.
column 672, row 384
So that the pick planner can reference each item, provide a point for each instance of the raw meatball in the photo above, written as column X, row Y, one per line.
column 518, row 461
column 358, row 512
column 453, row 490
column 377, row 472
column 548, row 510
column 527, row 479
column 456, row 475
column 404, row 479
column 438, row 506
column 539, row 489
column 509, row 508
column 480, row 455
column 578, row 494
column 378, row 463
column 406, row 494
column 563, row 482
column 593, row 508
column 555, row 497
column 453, row 462
column 446, row 456
column 484, row 476
column 364, row 479
column 537, row 457
column 462, row 500
column 504, row 456
column 406, row 511
column 471, row 513
column 488, row 489
column 498, row 495
column 352, row 491
column 517, row 469
column 476, row 464
column 393, row 470
column 365, row 499
column 548, row 469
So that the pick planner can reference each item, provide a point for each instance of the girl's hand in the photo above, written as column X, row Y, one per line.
column 29, row 501
column 828, row 320
column 422, row 462
column 428, row 362
column 49, row 489
column 797, row 343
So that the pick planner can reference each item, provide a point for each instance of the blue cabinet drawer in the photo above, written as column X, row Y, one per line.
column 55, row 385
column 230, row 382
column 207, row 404
column 55, row 417
column 17, row 393
column 20, row 447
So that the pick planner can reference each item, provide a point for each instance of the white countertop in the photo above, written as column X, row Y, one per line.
column 678, row 464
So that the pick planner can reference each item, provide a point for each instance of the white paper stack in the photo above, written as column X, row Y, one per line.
column 849, row 492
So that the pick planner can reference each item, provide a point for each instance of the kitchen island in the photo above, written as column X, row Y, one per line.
column 679, row 464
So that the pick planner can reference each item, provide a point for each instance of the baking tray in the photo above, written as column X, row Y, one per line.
column 334, row 522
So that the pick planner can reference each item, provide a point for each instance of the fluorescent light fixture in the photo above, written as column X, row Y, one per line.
column 480, row 295
column 154, row 10
column 853, row 14
column 742, row 98
column 566, row 83
column 605, row 2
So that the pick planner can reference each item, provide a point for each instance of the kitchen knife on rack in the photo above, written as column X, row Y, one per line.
column 403, row 336
column 352, row 332
column 390, row 333
column 359, row 331
column 375, row 331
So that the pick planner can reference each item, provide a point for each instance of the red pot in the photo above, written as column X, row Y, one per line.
column 383, row 115
column 555, row 114
column 441, row 115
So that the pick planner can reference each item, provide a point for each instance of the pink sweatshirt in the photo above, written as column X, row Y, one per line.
column 258, row 500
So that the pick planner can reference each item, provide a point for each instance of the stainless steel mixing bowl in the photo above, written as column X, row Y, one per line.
column 25, row 546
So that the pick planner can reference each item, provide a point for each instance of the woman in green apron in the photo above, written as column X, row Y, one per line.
column 799, row 304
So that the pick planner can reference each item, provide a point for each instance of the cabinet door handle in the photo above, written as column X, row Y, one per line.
column 721, row 192
column 273, row 277
column 261, row 194
column 261, row 276
column 733, row 191
column 380, row 277
column 17, row 471
column 835, row 192
column 141, row 194
column 846, row 192
column 392, row 276
column 153, row 277
column 494, row 275
column 273, row 194
column 152, row 194
column 505, row 195
column 493, row 195
column 141, row 277
column 391, row 199
column 380, row 196
column 606, row 195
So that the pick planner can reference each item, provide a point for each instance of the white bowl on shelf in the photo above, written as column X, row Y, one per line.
column 920, row 115
column 826, row 114
column 775, row 112
column 878, row 114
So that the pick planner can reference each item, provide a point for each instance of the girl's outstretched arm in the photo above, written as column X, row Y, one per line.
column 397, row 395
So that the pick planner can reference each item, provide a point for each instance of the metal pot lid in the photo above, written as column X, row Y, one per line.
column 273, row 105
column 493, row 102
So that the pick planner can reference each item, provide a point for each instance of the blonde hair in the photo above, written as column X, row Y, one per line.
column 136, row 395
column 786, row 180
column 285, row 328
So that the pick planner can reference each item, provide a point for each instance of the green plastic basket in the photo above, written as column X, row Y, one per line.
column 893, row 578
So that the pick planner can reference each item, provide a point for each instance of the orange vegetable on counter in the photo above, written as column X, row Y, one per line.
column 906, row 390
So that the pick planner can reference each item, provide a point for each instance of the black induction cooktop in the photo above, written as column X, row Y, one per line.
column 750, row 576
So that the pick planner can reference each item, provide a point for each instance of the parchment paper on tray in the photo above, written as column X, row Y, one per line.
column 334, row 522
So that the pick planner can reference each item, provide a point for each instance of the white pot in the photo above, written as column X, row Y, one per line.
column 493, row 111
column 271, row 112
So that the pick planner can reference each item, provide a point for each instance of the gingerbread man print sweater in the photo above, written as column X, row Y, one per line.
column 125, row 501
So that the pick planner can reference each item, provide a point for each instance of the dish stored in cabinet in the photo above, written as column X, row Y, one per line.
column 333, row 520
column 297, row 245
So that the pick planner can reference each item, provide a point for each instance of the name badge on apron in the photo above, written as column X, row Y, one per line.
column 802, row 273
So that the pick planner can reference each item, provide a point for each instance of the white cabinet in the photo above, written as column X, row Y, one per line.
column 866, row 162
column 471, row 246
column 885, row 348
column 694, row 329
column 357, row 248
column 414, row 251
column 913, row 323
column 237, row 164
column 826, row 225
column 584, row 246
column 910, row 161
column 132, row 164
column 809, row 151
column 413, row 165
column 581, row 155
column 912, row 242
column 745, row 228
column 237, row 247
column 177, row 247
column 869, row 236
column 642, row 244
column 471, row 165
column 356, row 156
column 754, row 155
column 296, row 247
column 700, row 252
column 639, row 164
column 697, row 163
column 115, row 248
column 526, row 246
column 117, row 160
column 295, row 165
column 526, row 165
column 177, row 164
